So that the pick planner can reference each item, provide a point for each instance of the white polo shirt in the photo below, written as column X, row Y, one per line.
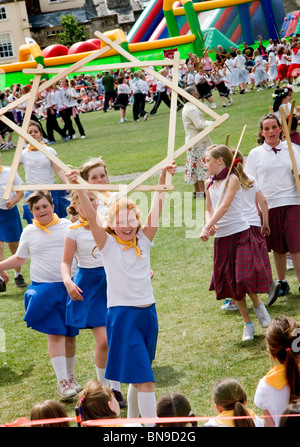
column 274, row 175
column 87, row 253
column 128, row 276
column 38, row 168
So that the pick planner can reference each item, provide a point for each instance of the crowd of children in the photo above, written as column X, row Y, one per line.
column 100, row 276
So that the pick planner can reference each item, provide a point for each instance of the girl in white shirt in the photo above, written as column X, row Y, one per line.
column 238, row 266
column 267, row 163
column 68, row 108
column 122, row 99
column 132, row 325
column 280, row 386
column 230, row 400
column 46, row 297
column 39, row 170
column 283, row 61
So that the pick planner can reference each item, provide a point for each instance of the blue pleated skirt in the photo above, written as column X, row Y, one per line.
column 10, row 225
column 132, row 336
column 45, row 309
column 91, row 312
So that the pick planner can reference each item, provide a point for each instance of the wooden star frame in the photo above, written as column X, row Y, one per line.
column 79, row 66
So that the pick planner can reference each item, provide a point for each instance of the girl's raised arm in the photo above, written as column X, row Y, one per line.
column 99, row 234
column 152, row 223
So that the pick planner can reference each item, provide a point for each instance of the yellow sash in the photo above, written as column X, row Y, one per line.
column 83, row 223
column 276, row 377
column 128, row 244
column 31, row 147
column 54, row 221
column 229, row 413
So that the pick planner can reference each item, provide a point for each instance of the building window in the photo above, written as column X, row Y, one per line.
column 6, row 49
column 3, row 13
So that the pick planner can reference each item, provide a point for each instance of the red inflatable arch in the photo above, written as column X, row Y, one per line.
column 55, row 50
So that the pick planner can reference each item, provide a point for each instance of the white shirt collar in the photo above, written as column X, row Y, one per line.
column 269, row 148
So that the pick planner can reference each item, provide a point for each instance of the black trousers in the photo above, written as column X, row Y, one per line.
column 138, row 108
column 107, row 96
column 161, row 96
column 52, row 125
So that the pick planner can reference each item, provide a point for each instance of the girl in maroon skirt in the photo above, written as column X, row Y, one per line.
column 239, row 268
column 270, row 164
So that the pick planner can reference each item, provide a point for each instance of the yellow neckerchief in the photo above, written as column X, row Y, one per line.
column 276, row 377
column 31, row 147
column 54, row 221
column 83, row 223
column 128, row 244
column 229, row 413
column 1, row 168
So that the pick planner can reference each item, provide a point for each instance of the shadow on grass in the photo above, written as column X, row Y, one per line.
column 253, row 345
column 166, row 376
column 7, row 376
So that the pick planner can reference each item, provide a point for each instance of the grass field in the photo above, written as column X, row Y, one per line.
column 198, row 343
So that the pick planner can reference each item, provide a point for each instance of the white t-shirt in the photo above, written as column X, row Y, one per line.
column 38, row 168
column 248, row 204
column 295, row 57
column 87, row 256
column 4, row 174
column 271, row 399
column 274, row 174
column 124, row 89
column 45, row 251
column 65, row 99
column 214, row 423
column 233, row 220
column 128, row 276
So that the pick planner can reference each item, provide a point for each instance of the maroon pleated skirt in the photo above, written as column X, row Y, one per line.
column 241, row 266
column 284, row 222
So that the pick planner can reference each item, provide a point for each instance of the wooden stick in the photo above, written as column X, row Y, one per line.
column 227, row 139
column 88, row 187
column 158, row 76
column 158, row 63
column 21, row 140
column 291, row 114
column 231, row 166
column 271, row 110
column 291, row 151
column 47, row 153
column 173, row 115
column 56, row 78
column 177, row 154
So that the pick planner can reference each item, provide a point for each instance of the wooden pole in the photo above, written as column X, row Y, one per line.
column 231, row 165
column 291, row 151
column 21, row 140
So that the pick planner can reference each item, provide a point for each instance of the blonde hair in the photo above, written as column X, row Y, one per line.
column 123, row 204
column 94, row 399
column 230, row 395
column 222, row 151
column 85, row 169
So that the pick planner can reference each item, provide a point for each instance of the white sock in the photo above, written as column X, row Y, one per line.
column 147, row 406
column 132, row 402
column 100, row 376
column 60, row 367
column 70, row 361
column 115, row 385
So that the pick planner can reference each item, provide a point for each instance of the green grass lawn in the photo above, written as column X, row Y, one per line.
column 198, row 343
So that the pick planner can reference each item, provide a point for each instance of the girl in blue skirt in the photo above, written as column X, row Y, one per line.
column 87, row 301
column 132, row 325
column 46, row 297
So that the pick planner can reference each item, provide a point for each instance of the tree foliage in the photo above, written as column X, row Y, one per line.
column 72, row 31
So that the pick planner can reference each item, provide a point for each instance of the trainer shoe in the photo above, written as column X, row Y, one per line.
column 74, row 136
column 262, row 315
column 229, row 305
column 19, row 280
column 213, row 105
column 248, row 332
column 273, row 293
column 119, row 397
column 2, row 285
column 284, row 288
column 74, row 384
column 67, row 138
column 145, row 117
column 65, row 391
